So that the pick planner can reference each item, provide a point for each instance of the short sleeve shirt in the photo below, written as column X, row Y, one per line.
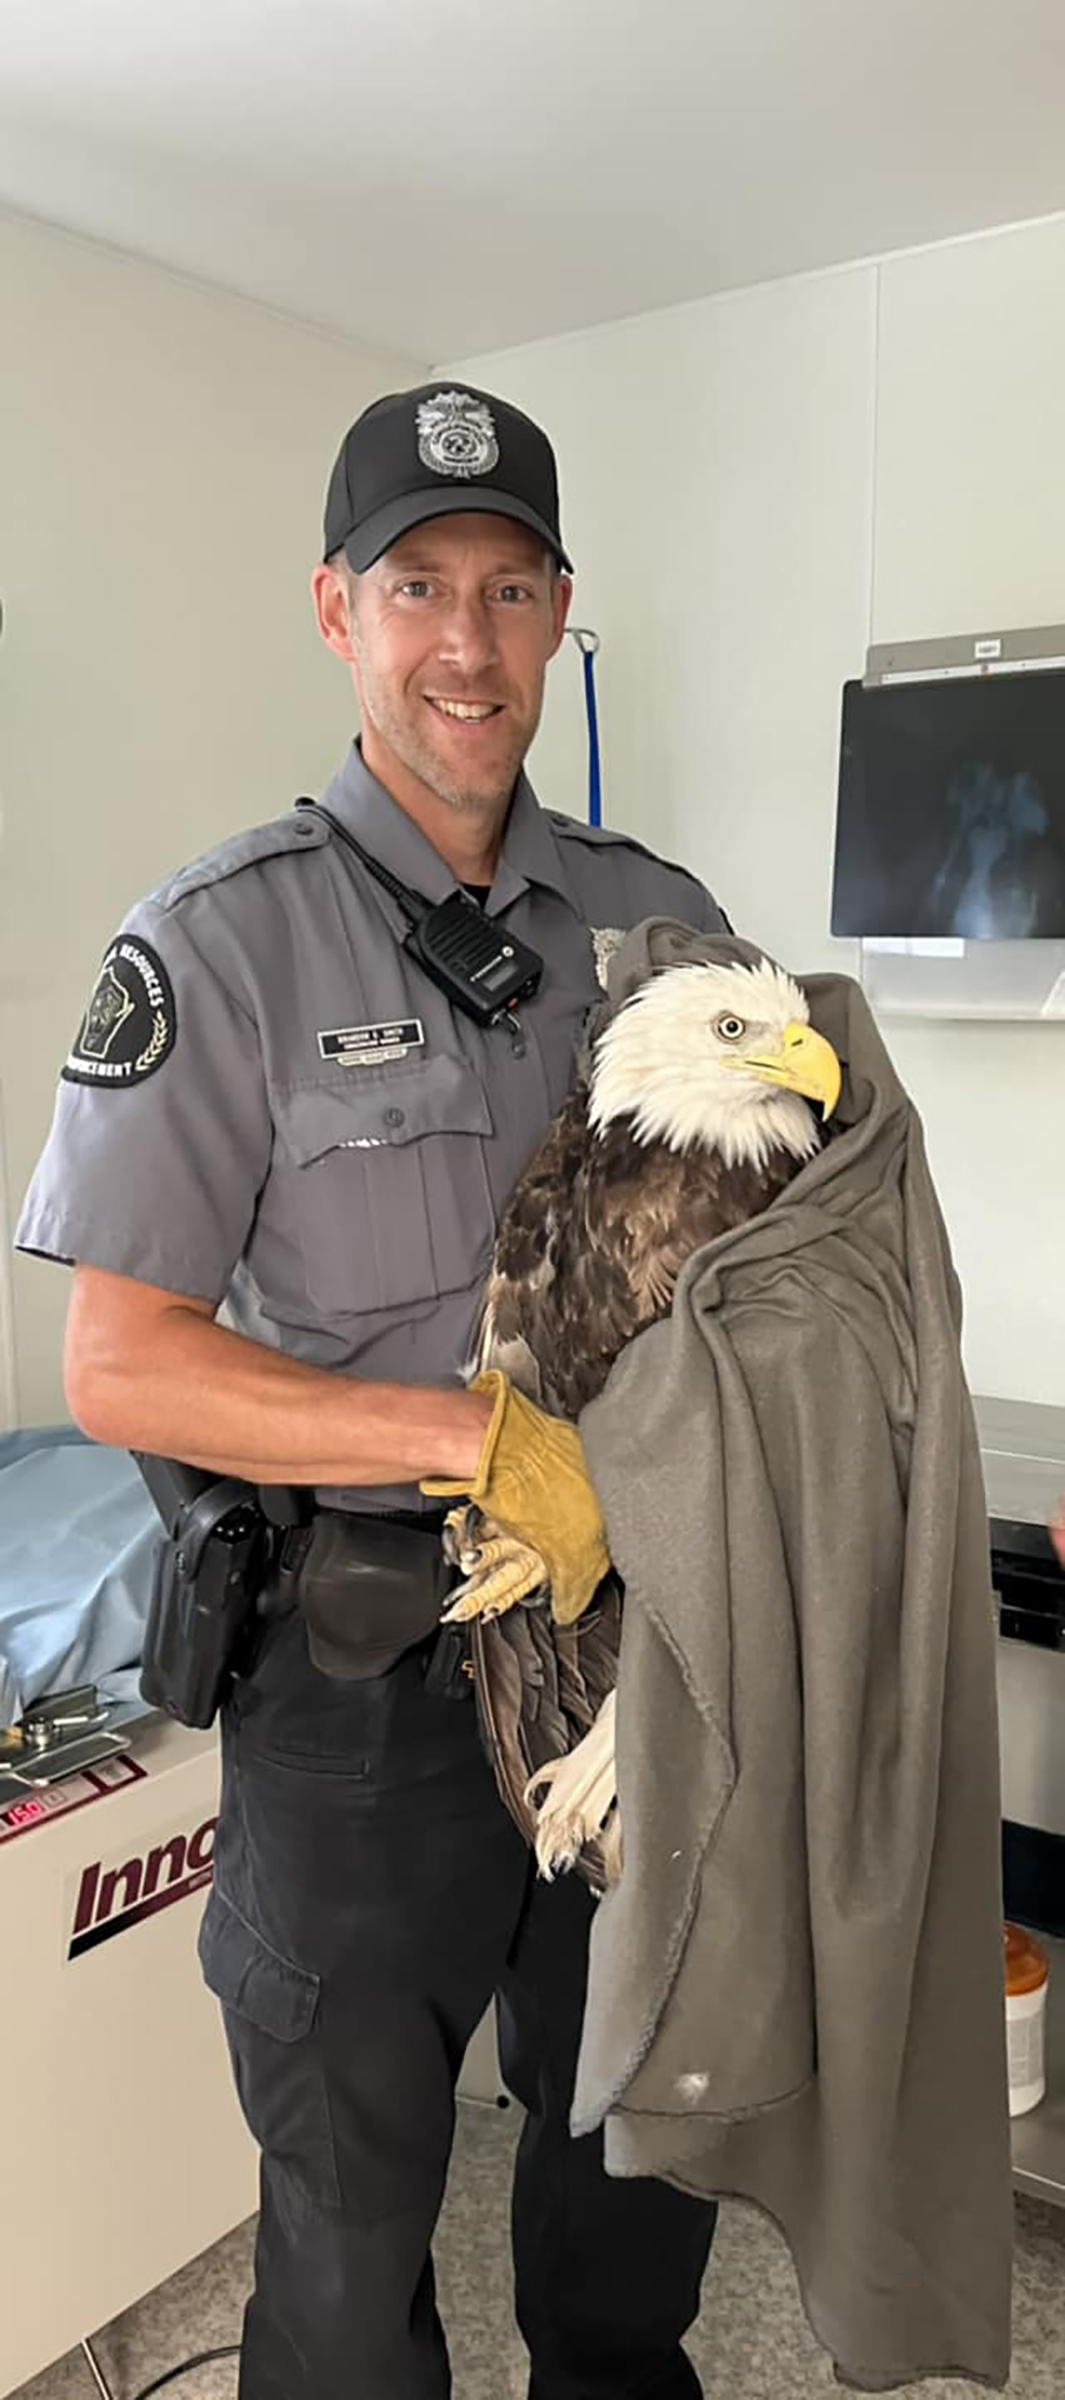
column 269, row 1103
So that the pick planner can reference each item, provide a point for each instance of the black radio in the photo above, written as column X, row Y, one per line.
column 481, row 967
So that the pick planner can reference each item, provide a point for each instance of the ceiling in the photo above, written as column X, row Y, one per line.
column 441, row 177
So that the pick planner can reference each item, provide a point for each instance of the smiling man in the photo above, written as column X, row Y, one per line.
column 448, row 635
column 270, row 1101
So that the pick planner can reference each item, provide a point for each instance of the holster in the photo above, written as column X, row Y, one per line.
column 207, row 1575
column 369, row 1589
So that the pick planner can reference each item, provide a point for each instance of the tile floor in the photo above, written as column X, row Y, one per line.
column 752, row 2341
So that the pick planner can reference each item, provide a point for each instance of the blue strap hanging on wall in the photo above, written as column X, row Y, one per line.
column 588, row 645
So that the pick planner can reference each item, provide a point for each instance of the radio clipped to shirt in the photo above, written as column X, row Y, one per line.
column 481, row 967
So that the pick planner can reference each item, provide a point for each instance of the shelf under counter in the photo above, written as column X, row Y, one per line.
column 1039, row 2137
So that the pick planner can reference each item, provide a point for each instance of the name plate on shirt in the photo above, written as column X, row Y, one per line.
column 372, row 1045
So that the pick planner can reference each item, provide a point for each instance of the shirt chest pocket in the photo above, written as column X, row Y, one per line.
column 388, row 1182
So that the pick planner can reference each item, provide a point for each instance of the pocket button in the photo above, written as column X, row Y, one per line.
column 395, row 1116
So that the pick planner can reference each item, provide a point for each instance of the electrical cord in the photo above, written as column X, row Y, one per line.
column 202, row 2359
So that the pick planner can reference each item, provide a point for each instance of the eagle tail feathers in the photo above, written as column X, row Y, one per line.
column 574, row 1797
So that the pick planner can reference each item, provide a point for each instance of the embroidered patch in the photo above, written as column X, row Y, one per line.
column 372, row 1045
column 457, row 435
column 129, row 1027
column 605, row 940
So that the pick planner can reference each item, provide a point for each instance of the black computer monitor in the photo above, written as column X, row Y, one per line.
column 951, row 811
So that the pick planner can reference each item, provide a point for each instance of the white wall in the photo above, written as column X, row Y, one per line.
column 165, row 453
column 754, row 488
column 970, row 530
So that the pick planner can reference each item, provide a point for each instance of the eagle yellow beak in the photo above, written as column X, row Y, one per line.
column 804, row 1063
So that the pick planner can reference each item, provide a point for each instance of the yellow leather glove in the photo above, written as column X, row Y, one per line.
column 533, row 1479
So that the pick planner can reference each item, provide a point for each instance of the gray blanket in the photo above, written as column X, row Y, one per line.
column 796, row 1991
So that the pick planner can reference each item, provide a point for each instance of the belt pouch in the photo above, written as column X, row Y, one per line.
column 368, row 1591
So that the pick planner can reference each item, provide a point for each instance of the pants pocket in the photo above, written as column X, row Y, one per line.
column 270, row 2010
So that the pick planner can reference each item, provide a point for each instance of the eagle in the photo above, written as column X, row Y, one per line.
column 693, row 1110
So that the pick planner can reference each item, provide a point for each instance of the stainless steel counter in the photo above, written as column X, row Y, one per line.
column 1022, row 1443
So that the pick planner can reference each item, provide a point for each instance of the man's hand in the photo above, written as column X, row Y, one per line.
column 1056, row 1531
column 533, row 1481
column 148, row 1369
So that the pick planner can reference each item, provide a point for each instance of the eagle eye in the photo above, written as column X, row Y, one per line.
column 730, row 1028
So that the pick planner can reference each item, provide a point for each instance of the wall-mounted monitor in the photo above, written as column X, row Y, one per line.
column 951, row 811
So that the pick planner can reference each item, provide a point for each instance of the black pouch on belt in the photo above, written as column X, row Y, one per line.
column 369, row 1588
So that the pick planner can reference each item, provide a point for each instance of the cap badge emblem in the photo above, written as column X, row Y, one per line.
column 457, row 435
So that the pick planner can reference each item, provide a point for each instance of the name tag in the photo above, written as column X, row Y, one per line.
column 372, row 1045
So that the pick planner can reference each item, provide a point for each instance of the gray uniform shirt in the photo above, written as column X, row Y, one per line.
column 269, row 1103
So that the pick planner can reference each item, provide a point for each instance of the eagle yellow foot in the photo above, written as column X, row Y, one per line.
column 499, row 1569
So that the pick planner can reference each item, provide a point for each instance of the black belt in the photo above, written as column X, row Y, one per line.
column 419, row 1520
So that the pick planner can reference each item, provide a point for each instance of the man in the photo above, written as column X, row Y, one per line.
column 269, row 1101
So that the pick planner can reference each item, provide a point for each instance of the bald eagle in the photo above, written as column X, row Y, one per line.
column 694, row 1114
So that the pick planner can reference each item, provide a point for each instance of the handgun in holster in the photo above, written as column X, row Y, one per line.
column 367, row 1589
column 208, row 1575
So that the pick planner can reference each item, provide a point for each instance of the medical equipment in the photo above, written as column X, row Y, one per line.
column 125, row 2151
column 950, row 836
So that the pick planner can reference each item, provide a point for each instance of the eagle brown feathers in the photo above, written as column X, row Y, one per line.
column 692, row 1117
column 591, row 1244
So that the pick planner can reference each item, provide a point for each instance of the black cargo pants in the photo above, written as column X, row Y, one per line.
column 370, row 1896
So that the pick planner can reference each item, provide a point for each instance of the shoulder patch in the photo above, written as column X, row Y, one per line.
column 299, row 830
column 129, row 1027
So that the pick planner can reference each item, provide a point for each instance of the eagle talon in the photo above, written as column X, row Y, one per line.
column 500, row 1571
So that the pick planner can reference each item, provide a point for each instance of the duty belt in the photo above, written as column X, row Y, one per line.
column 371, row 1585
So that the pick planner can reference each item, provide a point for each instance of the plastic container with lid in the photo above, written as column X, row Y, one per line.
column 1027, row 1978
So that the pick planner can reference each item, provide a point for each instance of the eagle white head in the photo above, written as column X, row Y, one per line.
column 719, row 1057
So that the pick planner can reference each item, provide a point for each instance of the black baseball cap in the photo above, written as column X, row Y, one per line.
column 432, row 452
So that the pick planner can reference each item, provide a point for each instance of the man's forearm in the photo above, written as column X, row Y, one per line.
column 220, row 1401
